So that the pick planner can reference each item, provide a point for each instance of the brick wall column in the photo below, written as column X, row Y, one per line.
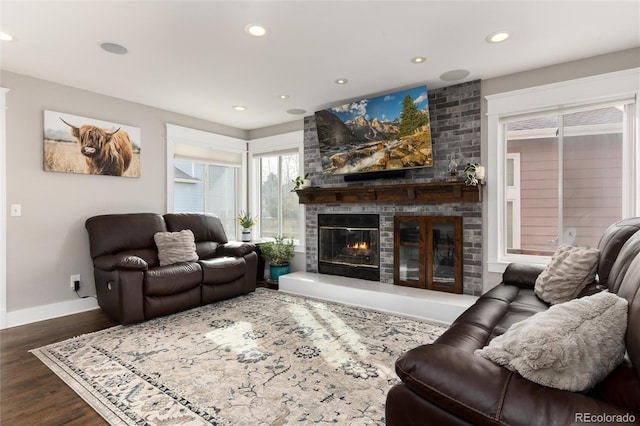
column 455, row 129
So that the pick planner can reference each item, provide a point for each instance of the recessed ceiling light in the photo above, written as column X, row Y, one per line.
column 418, row 59
column 284, row 96
column 239, row 107
column 256, row 30
column 114, row 48
column 498, row 36
column 296, row 111
column 6, row 37
column 454, row 75
column 341, row 81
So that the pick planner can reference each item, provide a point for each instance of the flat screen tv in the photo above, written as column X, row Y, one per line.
column 390, row 132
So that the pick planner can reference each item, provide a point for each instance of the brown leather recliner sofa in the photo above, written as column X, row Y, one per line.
column 444, row 383
column 131, row 286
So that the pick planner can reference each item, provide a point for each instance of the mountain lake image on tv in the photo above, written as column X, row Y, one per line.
column 389, row 132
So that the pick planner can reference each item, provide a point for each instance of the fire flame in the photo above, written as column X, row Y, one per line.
column 359, row 246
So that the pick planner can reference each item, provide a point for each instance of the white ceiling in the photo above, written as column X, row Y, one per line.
column 194, row 58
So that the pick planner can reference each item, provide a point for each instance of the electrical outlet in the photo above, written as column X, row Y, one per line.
column 75, row 282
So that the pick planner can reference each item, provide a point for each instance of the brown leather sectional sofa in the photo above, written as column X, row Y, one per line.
column 444, row 383
column 131, row 285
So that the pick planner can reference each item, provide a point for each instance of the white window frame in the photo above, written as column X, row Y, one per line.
column 3, row 209
column 184, row 135
column 273, row 145
column 515, row 199
column 237, row 169
column 621, row 85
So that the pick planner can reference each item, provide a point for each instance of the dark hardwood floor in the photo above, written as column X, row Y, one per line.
column 30, row 394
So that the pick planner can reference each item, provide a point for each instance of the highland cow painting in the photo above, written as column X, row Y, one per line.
column 75, row 144
column 382, row 133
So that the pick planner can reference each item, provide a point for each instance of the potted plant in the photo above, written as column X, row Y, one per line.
column 278, row 253
column 301, row 182
column 246, row 221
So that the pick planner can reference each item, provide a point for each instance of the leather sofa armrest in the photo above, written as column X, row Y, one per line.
column 120, row 261
column 235, row 249
column 522, row 275
column 481, row 392
column 591, row 289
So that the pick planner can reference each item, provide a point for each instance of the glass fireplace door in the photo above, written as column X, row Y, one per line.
column 409, row 267
column 443, row 254
column 428, row 252
column 349, row 245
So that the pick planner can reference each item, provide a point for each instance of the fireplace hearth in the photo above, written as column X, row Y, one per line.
column 349, row 245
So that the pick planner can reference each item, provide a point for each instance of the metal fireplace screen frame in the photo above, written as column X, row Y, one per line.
column 349, row 245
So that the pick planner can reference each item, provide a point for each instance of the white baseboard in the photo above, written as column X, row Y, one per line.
column 45, row 312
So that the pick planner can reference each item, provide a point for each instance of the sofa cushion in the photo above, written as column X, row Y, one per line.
column 172, row 279
column 570, row 270
column 207, row 249
column 610, row 244
column 571, row 346
column 222, row 270
column 175, row 247
column 205, row 226
column 131, row 233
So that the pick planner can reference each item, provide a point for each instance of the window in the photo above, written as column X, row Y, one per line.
column 205, row 173
column 205, row 187
column 563, row 178
column 562, row 165
column 279, row 208
column 275, row 161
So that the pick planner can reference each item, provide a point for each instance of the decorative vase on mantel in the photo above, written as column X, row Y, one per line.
column 453, row 169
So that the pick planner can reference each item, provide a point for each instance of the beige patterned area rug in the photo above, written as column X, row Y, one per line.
column 267, row 358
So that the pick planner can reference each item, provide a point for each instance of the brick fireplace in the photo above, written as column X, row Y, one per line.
column 455, row 129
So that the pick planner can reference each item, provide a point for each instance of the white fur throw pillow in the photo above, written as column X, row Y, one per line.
column 571, row 346
column 570, row 270
column 174, row 247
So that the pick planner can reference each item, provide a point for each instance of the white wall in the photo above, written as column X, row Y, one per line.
column 611, row 62
column 48, row 243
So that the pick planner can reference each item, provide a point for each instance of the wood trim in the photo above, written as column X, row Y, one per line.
column 431, row 192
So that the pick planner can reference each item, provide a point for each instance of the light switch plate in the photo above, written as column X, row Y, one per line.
column 16, row 210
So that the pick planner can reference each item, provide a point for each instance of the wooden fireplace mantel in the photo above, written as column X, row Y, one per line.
column 432, row 192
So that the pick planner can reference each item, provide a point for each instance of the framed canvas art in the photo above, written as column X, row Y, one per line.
column 75, row 144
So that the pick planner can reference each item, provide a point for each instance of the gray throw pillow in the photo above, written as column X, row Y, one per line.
column 571, row 346
column 570, row 270
column 174, row 247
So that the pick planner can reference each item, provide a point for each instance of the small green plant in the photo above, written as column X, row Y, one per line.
column 278, row 252
column 246, row 220
column 298, row 182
